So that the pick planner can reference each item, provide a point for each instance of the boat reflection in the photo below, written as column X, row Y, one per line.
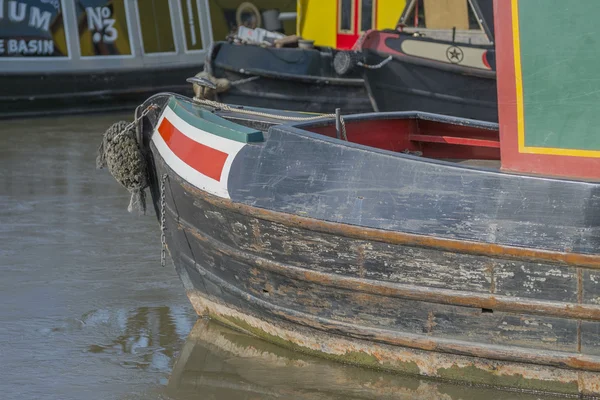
column 219, row 363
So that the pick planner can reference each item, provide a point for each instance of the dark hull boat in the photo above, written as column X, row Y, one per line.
column 286, row 78
column 433, row 73
column 97, row 55
column 366, row 254
column 414, row 242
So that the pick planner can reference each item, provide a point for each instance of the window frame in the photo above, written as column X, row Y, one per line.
column 141, row 35
column 373, row 16
column 352, row 29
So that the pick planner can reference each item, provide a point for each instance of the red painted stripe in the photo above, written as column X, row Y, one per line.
column 456, row 140
column 202, row 158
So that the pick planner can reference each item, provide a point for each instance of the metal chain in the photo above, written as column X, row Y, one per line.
column 376, row 66
column 136, row 120
column 225, row 107
column 163, row 240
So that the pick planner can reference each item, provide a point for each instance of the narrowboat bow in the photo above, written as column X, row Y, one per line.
column 371, row 251
column 408, row 241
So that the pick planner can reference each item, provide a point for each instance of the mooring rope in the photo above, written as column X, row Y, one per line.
column 225, row 107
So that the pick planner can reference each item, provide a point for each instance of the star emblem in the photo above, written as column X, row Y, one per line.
column 455, row 54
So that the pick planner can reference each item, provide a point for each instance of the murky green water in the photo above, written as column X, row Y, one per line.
column 86, row 311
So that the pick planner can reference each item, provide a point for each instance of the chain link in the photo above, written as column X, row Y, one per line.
column 163, row 240
column 376, row 66
column 136, row 120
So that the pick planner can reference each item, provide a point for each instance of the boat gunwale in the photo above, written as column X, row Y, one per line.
column 425, row 62
column 333, row 81
column 300, row 129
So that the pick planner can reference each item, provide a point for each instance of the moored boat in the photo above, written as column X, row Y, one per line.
column 296, row 79
column 409, row 241
column 59, row 56
column 440, row 59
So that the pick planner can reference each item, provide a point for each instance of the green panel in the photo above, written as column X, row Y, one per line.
column 155, row 22
column 560, row 60
column 209, row 122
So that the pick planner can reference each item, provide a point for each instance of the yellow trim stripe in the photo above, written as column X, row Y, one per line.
column 520, row 107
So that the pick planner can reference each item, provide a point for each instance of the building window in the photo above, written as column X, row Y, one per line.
column 450, row 14
column 346, row 16
column 367, row 15
column 156, row 26
column 190, row 10
column 103, row 28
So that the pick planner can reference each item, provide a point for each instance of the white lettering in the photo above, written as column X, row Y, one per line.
column 38, row 19
column 1, row 40
column 22, row 47
column 48, row 47
column 28, row 48
column 110, row 33
column 99, row 21
column 1, row 9
column 12, row 11
column 12, row 46
column 94, row 18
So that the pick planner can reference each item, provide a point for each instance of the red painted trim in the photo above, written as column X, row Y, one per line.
column 485, row 61
column 202, row 158
column 512, row 160
column 455, row 140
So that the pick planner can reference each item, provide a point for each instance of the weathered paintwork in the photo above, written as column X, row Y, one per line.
column 387, row 260
column 227, row 363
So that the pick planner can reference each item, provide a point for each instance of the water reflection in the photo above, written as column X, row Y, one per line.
column 147, row 338
column 219, row 363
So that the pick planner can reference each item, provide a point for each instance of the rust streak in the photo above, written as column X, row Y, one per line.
column 407, row 291
column 400, row 238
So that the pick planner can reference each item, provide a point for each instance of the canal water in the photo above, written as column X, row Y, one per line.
column 87, row 312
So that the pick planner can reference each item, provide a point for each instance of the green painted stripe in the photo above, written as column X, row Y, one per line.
column 209, row 122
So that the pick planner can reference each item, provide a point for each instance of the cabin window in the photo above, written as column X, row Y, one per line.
column 367, row 15
column 441, row 14
column 103, row 28
column 156, row 26
column 346, row 16
column 190, row 10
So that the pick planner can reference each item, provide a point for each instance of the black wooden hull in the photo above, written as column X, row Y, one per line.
column 319, row 292
column 443, row 271
column 428, row 86
column 311, row 86
column 25, row 95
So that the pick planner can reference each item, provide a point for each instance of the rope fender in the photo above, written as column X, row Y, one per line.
column 121, row 153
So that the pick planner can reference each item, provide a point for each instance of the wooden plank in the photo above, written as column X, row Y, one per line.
column 446, row 14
